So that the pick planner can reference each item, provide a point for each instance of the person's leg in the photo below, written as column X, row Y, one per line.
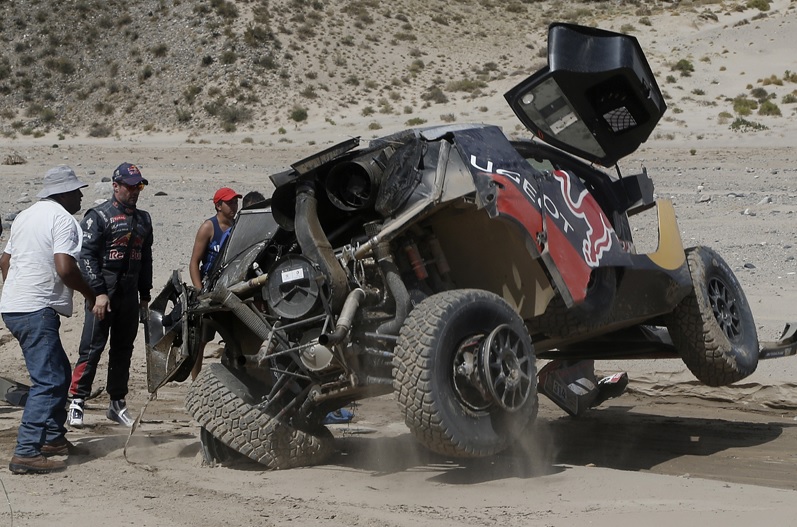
column 123, row 333
column 92, row 343
column 44, row 414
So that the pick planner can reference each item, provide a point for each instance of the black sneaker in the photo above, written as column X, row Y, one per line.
column 117, row 411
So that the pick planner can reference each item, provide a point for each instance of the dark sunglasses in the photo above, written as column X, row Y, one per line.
column 137, row 186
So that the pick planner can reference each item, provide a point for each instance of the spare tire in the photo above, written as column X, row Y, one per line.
column 248, row 429
column 713, row 328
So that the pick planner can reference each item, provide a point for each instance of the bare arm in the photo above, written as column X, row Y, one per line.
column 203, row 237
column 67, row 269
column 5, row 262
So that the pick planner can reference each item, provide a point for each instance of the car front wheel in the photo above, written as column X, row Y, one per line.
column 713, row 328
column 465, row 373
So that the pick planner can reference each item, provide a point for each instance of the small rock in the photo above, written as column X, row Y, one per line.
column 23, row 199
column 704, row 199
column 749, row 266
column 161, row 193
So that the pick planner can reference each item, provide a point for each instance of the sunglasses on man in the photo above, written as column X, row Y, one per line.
column 137, row 186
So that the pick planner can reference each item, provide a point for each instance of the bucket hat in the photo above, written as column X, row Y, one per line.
column 60, row 180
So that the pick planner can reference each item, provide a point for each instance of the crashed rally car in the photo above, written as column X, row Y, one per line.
column 440, row 264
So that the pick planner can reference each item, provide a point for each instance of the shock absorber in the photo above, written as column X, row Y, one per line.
column 416, row 261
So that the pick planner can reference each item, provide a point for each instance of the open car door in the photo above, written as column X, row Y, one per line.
column 596, row 99
column 168, row 335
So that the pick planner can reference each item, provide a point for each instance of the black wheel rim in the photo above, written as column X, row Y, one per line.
column 724, row 306
column 466, row 383
column 507, row 368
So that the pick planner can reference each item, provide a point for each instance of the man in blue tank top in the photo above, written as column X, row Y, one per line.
column 207, row 244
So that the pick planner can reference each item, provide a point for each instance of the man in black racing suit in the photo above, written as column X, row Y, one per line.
column 116, row 260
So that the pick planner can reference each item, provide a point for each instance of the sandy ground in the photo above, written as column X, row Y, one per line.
column 668, row 452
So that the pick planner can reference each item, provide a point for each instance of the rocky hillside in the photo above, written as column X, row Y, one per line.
column 106, row 67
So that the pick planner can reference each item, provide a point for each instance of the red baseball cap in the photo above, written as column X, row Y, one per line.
column 225, row 194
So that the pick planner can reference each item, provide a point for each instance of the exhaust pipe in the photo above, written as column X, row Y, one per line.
column 315, row 244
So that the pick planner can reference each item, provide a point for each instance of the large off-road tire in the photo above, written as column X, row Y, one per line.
column 214, row 451
column 443, row 411
column 713, row 328
column 249, row 430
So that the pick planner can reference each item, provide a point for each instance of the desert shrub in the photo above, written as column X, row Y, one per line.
column 406, row 37
column 448, row 118
column 789, row 98
column 190, row 93
column 308, row 92
column 466, row 85
column 415, row 121
column 685, row 67
column 298, row 114
column 103, row 108
column 100, row 130
column 207, row 60
column 385, row 107
column 416, row 66
column 256, row 35
column 267, row 61
column 698, row 91
column 759, row 93
column 743, row 125
column 234, row 114
column 744, row 106
column 374, row 126
column 62, row 65
column 645, row 21
column 159, row 50
column 761, row 5
column 724, row 117
column 228, row 57
column 145, row 73
column 789, row 76
column 368, row 110
column 769, row 108
column 224, row 8
column 627, row 28
column 772, row 80
column 183, row 116
column 47, row 115
column 435, row 95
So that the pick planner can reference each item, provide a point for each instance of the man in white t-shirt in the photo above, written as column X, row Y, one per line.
column 40, row 271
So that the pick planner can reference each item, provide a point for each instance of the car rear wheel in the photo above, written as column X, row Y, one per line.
column 465, row 373
column 713, row 328
column 244, row 428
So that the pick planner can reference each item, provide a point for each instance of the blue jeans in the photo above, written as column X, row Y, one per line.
column 45, row 411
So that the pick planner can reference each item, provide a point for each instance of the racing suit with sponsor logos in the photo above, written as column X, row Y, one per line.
column 116, row 259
